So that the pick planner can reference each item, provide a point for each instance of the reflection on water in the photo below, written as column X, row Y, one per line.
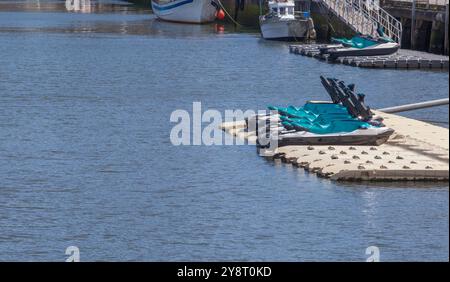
column 83, row 6
column 85, row 156
column 88, row 16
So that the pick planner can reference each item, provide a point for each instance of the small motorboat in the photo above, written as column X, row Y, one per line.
column 382, row 49
column 359, row 41
column 361, row 46
column 282, row 22
column 345, row 120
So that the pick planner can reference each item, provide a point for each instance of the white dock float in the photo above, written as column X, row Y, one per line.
column 416, row 151
column 403, row 59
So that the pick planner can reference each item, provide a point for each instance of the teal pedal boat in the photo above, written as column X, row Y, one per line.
column 345, row 120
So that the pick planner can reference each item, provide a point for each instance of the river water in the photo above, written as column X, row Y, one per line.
column 85, row 156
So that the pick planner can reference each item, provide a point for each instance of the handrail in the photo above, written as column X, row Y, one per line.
column 365, row 17
column 427, row 2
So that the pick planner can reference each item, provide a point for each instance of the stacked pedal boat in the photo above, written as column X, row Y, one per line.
column 345, row 120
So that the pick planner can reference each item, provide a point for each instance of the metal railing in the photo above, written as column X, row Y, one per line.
column 428, row 5
column 365, row 16
column 426, row 2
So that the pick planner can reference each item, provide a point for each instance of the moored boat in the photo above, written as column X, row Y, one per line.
column 361, row 45
column 381, row 49
column 282, row 23
column 185, row 11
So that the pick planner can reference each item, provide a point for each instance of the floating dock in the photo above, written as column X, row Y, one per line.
column 403, row 59
column 416, row 151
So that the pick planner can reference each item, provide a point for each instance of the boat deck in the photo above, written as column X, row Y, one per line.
column 416, row 151
column 403, row 59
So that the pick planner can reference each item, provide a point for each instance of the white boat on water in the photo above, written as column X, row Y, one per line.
column 281, row 22
column 186, row 11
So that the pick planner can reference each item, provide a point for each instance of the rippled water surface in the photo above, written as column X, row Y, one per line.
column 85, row 157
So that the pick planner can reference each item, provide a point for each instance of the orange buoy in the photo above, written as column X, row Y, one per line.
column 219, row 28
column 220, row 14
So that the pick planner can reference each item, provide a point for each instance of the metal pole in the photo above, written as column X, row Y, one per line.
column 413, row 25
column 446, row 30
column 415, row 106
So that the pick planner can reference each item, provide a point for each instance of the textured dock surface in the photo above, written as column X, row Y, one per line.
column 416, row 151
column 403, row 59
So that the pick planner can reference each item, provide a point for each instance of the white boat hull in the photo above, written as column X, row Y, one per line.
column 186, row 11
column 383, row 49
column 283, row 29
column 359, row 137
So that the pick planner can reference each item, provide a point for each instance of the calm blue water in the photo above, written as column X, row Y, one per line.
column 86, row 160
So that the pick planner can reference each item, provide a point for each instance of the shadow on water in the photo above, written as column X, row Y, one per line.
column 361, row 185
column 395, row 184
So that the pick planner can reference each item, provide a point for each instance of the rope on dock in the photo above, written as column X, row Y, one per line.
column 228, row 14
